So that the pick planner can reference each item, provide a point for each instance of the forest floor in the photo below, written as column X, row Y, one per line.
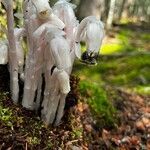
column 113, row 109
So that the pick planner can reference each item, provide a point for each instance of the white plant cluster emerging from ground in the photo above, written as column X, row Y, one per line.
column 53, row 37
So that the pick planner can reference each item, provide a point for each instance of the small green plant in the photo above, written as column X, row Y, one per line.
column 6, row 116
column 49, row 145
column 33, row 140
column 77, row 133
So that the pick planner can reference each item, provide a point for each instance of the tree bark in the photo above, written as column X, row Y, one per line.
column 88, row 8
column 105, row 10
column 110, row 14
column 121, row 10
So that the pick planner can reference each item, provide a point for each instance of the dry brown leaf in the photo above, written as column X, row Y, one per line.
column 140, row 125
column 148, row 145
column 80, row 107
column 126, row 139
column 88, row 127
column 145, row 121
column 145, row 109
column 106, row 137
column 137, row 99
column 116, row 141
column 135, row 140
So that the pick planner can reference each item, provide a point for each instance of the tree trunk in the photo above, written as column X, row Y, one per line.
column 88, row 8
column 121, row 10
column 110, row 14
column 105, row 10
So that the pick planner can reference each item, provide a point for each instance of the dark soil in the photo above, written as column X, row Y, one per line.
column 78, row 130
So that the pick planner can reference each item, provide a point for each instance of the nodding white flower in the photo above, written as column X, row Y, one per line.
column 91, row 30
column 43, row 8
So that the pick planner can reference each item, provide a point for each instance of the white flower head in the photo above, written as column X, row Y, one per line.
column 43, row 8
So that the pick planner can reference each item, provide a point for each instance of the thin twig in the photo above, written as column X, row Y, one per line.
column 26, row 146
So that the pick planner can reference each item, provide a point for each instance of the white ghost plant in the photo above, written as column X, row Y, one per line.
column 53, row 37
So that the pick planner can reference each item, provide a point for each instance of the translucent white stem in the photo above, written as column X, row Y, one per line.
column 13, row 65
column 60, row 109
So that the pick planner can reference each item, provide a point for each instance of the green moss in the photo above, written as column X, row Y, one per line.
column 142, row 90
column 126, row 71
column 145, row 37
column 129, row 72
column 100, row 105
column 110, row 48
column 87, row 72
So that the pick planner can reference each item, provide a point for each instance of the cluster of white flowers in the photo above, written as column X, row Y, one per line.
column 53, row 38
